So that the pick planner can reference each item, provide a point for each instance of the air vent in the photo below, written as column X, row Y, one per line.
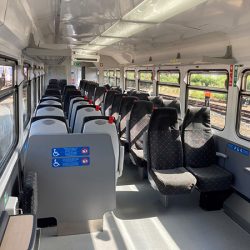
column 87, row 59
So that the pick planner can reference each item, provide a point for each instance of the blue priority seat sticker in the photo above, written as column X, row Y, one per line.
column 70, row 151
column 70, row 162
column 238, row 149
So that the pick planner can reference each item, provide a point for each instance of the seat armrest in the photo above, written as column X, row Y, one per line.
column 102, row 108
column 121, row 161
column 219, row 154
column 145, row 145
column 127, row 130
column 118, row 121
column 109, row 111
column 247, row 169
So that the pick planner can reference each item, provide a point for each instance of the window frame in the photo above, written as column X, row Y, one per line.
column 242, row 93
column 139, row 80
column 211, row 89
column 117, row 78
column 126, row 79
column 169, row 84
column 106, row 76
column 112, row 77
column 27, row 84
column 4, row 94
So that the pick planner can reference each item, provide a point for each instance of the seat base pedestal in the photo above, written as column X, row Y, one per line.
column 214, row 200
column 164, row 200
column 142, row 173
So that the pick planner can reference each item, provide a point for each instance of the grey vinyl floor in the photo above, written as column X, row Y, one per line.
column 141, row 222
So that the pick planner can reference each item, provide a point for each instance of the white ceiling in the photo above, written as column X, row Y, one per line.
column 78, row 22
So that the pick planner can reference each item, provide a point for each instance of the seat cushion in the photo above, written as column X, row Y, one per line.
column 138, row 157
column 173, row 181
column 212, row 178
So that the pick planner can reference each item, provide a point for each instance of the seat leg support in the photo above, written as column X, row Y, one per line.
column 214, row 200
column 142, row 173
column 164, row 200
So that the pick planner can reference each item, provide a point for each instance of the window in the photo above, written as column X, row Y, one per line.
column 168, row 84
column 146, row 81
column 26, row 70
column 209, row 88
column 6, row 76
column 106, row 77
column 8, row 114
column 130, row 79
column 244, row 108
column 118, row 77
column 112, row 80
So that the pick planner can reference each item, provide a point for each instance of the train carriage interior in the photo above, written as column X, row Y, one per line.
column 125, row 124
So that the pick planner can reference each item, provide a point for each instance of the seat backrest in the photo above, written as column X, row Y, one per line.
column 91, row 91
column 125, row 109
column 117, row 89
column 81, row 113
column 141, row 95
column 115, row 108
column 99, row 95
column 52, row 92
column 109, row 100
column 67, row 88
column 164, row 147
column 54, row 96
column 91, row 118
column 53, row 86
column 62, row 83
column 67, row 99
column 130, row 92
column 103, row 126
column 138, row 122
column 76, row 104
column 157, row 101
column 107, row 87
column 49, row 105
column 72, row 101
column 173, row 104
column 49, row 111
column 47, row 125
column 51, row 98
column 86, row 89
column 53, row 81
column 197, row 138
column 82, row 84
column 50, row 102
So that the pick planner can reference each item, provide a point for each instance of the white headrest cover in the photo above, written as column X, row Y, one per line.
column 49, row 111
column 48, row 126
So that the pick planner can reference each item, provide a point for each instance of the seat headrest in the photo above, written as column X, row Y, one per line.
column 53, row 81
column 37, row 118
column 197, row 117
column 172, row 104
column 157, row 101
column 48, row 105
column 163, row 118
column 91, row 118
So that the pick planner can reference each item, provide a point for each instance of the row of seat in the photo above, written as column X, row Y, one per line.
column 174, row 165
column 179, row 161
column 72, row 112
column 134, row 113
